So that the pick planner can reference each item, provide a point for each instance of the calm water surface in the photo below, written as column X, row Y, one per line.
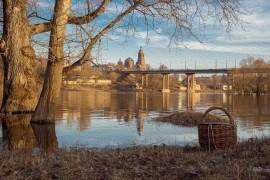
column 117, row 119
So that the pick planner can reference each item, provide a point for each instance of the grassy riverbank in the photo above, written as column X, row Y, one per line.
column 247, row 160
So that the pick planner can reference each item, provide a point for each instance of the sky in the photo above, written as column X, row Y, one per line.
column 218, row 48
column 227, row 49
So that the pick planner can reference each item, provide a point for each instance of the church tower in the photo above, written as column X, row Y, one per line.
column 141, row 61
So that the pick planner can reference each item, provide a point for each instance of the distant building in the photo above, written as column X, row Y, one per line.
column 225, row 87
column 140, row 64
column 120, row 63
column 196, row 86
column 182, row 88
column 129, row 63
column 141, row 61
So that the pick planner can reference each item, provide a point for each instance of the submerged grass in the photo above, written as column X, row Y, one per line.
column 190, row 118
column 247, row 160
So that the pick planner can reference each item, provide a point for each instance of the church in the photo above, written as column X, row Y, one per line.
column 140, row 64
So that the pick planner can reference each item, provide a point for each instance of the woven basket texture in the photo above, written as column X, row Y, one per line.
column 217, row 135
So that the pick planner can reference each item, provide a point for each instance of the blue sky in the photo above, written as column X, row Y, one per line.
column 217, row 45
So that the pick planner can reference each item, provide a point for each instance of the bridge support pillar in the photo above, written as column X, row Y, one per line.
column 145, row 79
column 165, row 101
column 166, row 83
column 190, row 101
column 190, row 83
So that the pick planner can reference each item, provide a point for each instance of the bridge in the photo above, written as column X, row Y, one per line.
column 165, row 72
column 177, row 71
column 190, row 74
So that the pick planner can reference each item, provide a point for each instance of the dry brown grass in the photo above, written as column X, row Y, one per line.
column 247, row 160
column 190, row 118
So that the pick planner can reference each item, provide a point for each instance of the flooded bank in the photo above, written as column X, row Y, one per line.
column 98, row 119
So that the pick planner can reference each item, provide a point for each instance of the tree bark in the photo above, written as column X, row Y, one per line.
column 20, row 89
column 45, row 110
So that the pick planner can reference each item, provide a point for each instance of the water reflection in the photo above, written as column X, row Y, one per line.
column 46, row 136
column 83, row 106
column 192, row 98
column 99, row 119
column 140, row 115
column 18, row 133
column 252, row 111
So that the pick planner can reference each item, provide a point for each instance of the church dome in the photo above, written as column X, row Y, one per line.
column 129, row 62
column 129, row 59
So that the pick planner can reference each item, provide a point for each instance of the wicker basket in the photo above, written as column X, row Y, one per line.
column 217, row 135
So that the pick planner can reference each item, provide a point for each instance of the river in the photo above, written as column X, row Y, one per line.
column 98, row 119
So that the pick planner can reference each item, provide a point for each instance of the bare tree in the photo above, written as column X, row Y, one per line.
column 261, row 77
column 247, row 79
column 53, row 77
column 163, row 67
column 216, row 81
column 178, row 19
column 252, row 76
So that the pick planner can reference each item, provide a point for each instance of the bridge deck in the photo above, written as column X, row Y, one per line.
column 175, row 71
column 196, row 71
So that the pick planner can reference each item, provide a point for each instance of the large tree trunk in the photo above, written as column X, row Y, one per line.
column 20, row 90
column 45, row 111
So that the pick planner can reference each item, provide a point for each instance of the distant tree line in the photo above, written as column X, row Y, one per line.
column 253, row 76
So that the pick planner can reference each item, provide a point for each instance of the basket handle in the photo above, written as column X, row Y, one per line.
column 215, row 108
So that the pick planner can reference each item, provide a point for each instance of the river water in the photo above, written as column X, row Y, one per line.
column 99, row 119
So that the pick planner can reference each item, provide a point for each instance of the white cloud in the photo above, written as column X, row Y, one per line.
column 141, row 34
column 152, row 36
column 162, row 41
column 246, row 38
column 114, row 37
column 256, row 27
column 254, row 40
column 158, row 38
column 235, row 45
column 257, row 30
column 244, row 49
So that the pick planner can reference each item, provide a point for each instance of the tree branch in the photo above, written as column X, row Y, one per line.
column 44, row 27
column 89, row 17
column 40, row 28
column 86, row 56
